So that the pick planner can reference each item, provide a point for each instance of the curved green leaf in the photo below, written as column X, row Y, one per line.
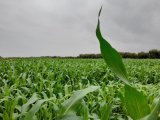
column 155, row 114
column 33, row 110
column 70, row 117
column 106, row 111
column 136, row 103
column 75, row 99
column 111, row 56
column 33, row 99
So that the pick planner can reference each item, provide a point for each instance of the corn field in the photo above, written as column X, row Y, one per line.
column 38, row 87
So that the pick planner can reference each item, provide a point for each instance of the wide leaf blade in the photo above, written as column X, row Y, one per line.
column 111, row 56
column 30, row 115
column 136, row 103
column 106, row 111
column 33, row 99
column 155, row 114
column 70, row 104
column 70, row 117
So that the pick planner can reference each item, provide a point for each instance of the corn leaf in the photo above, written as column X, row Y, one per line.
column 33, row 110
column 155, row 114
column 105, row 112
column 136, row 103
column 85, row 112
column 33, row 99
column 75, row 99
column 111, row 56
column 70, row 117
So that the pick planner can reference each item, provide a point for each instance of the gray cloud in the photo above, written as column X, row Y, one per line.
column 133, row 25
column 60, row 27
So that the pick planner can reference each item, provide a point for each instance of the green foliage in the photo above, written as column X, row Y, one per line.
column 111, row 56
column 106, row 111
column 58, row 79
column 73, row 102
column 140, row 55
column 90, row 56
column 155, row 114
column 154, row 53
column 129, row 55
column 33, row 99
column 71, row 117
column 135, row 102
column 30, row 115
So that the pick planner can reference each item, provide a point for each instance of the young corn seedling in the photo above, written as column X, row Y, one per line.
column 69, row 107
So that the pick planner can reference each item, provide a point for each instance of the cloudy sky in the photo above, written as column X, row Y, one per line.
column 67, row 27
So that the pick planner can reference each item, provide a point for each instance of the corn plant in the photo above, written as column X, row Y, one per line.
column 135, row 102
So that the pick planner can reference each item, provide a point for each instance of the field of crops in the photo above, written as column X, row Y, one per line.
column 33, row 89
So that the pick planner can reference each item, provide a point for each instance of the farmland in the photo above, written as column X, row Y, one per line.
column 52, row 81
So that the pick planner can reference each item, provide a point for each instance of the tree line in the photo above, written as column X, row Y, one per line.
column 152, row 54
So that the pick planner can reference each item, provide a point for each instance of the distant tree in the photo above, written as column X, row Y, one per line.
column 128, row 55
column 159, row 54
column 90, row 56
column 0, row 57
column 154, row 53
column 143, row 55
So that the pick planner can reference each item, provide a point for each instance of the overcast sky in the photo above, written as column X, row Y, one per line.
column 67, row 27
